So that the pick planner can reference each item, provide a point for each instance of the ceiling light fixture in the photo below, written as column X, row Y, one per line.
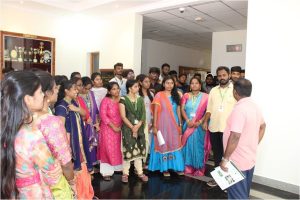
column 181, row 10
column 199, row 19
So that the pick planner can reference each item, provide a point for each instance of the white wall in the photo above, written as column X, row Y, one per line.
column 273, row 50
column 219, row 55
column 155, row 53
column 118, row 39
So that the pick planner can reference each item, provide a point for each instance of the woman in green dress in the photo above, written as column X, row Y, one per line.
column 133, row 114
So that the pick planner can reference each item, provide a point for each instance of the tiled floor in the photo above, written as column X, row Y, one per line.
column 174, row 187
column 158, row 187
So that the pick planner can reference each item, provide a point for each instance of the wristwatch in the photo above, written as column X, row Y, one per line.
column 224, row 159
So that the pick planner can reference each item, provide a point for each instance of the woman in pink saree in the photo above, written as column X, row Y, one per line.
column 110, row 154
column 167, row 121
column 195, row 140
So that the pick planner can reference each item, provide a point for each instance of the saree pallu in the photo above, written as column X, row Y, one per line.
column 196, row 141
column 169, row 155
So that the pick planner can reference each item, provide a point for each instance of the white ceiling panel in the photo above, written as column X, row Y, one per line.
column 214, row 7
column 182, row 29
column 159, row 15
column 243, row 11
column 236, row 4
column 187, row 12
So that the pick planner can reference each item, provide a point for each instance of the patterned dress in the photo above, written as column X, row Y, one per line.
column 54, row 133
column 34, row 162
column 133, row 148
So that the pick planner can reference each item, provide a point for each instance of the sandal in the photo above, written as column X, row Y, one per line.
column 180, row 173
column 107, row 178
column 143, row 177
column 167, row 174
column 125, row 178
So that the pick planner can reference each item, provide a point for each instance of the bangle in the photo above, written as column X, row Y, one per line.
column 224, row 159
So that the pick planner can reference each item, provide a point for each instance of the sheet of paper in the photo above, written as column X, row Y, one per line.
column 227, row 179
column 160, row 138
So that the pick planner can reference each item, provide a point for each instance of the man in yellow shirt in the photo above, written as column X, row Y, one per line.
column 219, row 107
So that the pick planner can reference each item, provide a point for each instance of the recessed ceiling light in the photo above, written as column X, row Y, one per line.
column 199, row 19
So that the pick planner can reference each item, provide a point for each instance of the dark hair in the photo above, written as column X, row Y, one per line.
column 210, row 75
column 222, row 68
column 109, row 86
column 196, row 78
column 165, row 65
column 58, row 79
column 74, row 74
column 47, row 81
column 126, row 72
column 243, row 71
column 197, row 74
column 172, row 73
column 141, row 78
column 236, row 69
column 183, row 74
column 94, row 75
column 66, row 85
column 174, row 93
column 154, row 70
column 14, row 114
column 118, row 64
column 129, row 84
column 243, row 87
column 75, row 80
column 86, row 81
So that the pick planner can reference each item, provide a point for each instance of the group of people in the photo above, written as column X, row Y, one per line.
column 55, row 130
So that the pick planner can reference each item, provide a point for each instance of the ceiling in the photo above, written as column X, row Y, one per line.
column 162, row 19
column 91, row 7
column 174, row 27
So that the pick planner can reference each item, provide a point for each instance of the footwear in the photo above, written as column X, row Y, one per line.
column 107, row 178
column 167, row 174
column 212, row 183
column 180, row 173
column 125, row 178
column 143, row 177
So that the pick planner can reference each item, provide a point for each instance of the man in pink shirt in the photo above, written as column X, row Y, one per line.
column 244, row 131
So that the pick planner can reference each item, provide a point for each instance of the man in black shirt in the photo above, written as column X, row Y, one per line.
column 155, row 86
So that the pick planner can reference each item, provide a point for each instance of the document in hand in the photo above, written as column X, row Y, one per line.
column 227, row 179
column 160, row 138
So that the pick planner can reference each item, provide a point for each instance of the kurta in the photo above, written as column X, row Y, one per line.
column 133, row 148
column 109, row 151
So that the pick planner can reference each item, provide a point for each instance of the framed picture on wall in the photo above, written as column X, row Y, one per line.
column 106, row 75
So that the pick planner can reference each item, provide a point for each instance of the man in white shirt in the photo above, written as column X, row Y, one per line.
column 118, row 71
column 165, row 69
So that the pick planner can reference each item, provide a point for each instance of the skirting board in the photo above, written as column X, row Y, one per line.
column 276, row 184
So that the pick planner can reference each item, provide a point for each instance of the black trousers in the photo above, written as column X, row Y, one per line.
column 216, row 140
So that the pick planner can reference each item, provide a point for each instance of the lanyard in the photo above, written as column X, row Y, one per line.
column 223, row 95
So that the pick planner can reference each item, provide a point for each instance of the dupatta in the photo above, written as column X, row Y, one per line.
column 166, row 123
column 201, row 110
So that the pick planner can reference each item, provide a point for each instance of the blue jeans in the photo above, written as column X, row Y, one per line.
column 241, row 189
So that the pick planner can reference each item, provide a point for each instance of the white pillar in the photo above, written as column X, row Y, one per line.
column 272, row 65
